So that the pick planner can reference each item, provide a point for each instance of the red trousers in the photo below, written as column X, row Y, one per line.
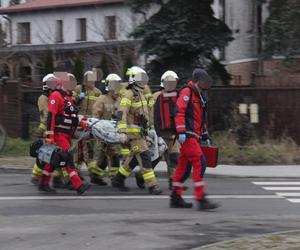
column 63, row 141
column 190, row 156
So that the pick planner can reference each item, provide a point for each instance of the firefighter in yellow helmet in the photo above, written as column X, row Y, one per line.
column 85, row 96
column 133, row 114
column 49, row 82
column 105, row 108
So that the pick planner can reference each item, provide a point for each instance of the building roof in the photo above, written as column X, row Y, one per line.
column 53, row 4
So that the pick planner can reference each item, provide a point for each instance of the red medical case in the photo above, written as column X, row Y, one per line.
column 211, row 155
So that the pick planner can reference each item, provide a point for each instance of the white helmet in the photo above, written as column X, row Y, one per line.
column 113, row 82
column 169, row 80
column 50, row 81
column 137, row 76
column 70, row 83
column 90, row 77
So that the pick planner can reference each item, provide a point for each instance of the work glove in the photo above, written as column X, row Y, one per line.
column 81, row 95
column 84, row 124
column 181, row 138
column 205, row 140
column 50, row 141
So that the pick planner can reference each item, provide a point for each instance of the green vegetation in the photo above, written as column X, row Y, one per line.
column 283, row 151
column 281, row 30
column 16, row 147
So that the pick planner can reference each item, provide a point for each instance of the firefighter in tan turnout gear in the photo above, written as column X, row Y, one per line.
column 106, row 108
column 163, row 115
column 133, row 114
column 85, row 96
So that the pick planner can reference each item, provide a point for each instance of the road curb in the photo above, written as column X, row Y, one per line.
column 258, row 241
column 159, row 174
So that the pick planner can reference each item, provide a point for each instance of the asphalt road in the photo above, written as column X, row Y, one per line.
column 107, row 219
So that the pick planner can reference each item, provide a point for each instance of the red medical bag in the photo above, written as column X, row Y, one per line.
column 211, row 155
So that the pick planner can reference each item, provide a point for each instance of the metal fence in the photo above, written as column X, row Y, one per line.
column 279, row 109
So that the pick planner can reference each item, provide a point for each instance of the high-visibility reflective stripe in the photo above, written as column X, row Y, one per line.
column 192, row 133
column 148, row 95
column 151, row 103
column 62, row 126
column 73, row 173
column 125, row 102
column 124, row 172
column 135, row 148
column 149, row 176
column 43, row 126
column 199, row 184
column 180, row 126
column 133, row 130
column 125, row 151
column 171, row 94
column 139, row 104
column 36, row 170
column 46, row 173
column 92, row 98
column 49, row 132
column 177, row 184
column 122, row 126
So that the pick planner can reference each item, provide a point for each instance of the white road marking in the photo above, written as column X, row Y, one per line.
column 133, row 197
column 289, row 194
column 283, row 183
column 282, row 188
column 294, row 200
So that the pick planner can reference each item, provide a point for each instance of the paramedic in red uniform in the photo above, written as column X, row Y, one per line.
column 61, row 124
column 189, row 127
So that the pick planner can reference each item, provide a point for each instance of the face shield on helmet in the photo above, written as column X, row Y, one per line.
column 90, row 77
column 137, row 76
column 49, row 81
column 169, row 81
column 202, row 78
column 113, row 82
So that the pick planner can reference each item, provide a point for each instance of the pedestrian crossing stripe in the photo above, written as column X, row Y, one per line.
column 279, row 186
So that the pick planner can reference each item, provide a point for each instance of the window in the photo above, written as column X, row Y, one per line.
column 81, row 29
column 23, row 33
column 59, row 36
column 111, row 27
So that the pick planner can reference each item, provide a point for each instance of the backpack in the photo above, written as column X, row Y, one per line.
column 164, row 112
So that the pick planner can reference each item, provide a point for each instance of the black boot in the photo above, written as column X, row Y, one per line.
column 206, row 204
column 57, row 182
column 155, row 190
column 35, row 180
column 84, row 187
column 170, row 183
column 47, row 189
column 119, row 182
column 68, row 185
column 95, row 179
column 178, row 202
column 140, row 181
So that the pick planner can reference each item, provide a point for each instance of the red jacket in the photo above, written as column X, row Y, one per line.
column 62, row 114
column 190, row 112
